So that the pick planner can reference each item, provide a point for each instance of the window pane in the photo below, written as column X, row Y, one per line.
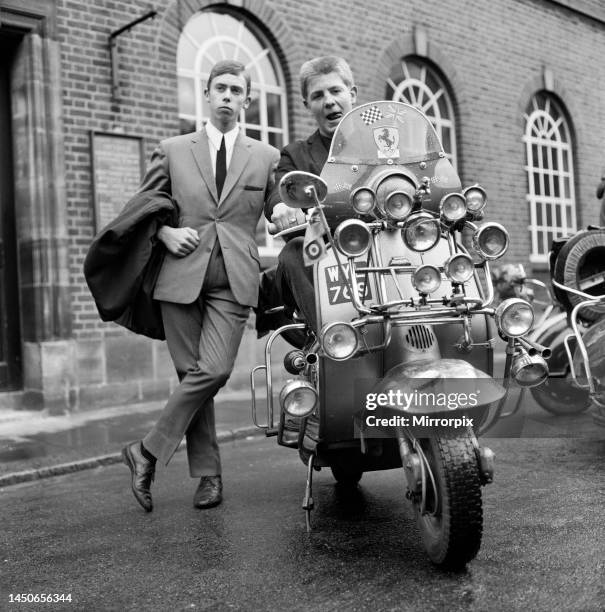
column 253, row 133
column 276, row 140
column 186, row 96
column 253, row 111
column 274, row 110
column 205, row 107
column 185, row 55
column 445, row 140
column 200, row 27
column 186, row 126
column 566, row 188
column 264, row 65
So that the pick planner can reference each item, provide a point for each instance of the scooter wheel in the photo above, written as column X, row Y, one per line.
column 346, row 476
column 450, row 518
column 559, row 396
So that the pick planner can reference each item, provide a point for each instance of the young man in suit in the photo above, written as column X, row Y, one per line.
column 219, row 179
column 328, row 92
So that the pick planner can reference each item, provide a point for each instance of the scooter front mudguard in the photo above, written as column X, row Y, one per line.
column 432, row 387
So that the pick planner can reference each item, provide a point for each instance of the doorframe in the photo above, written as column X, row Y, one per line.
column 39, row 191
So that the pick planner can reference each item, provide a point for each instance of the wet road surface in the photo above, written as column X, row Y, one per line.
column 543, row 545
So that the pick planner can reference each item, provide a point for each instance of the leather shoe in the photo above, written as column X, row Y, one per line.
column 142, row 471
column 209, row 492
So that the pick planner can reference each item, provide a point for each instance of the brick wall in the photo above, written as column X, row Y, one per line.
column 492, row 54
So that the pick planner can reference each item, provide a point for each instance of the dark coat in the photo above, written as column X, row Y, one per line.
column 123, row 262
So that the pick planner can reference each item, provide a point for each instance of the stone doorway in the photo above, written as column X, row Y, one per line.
column 10, row 323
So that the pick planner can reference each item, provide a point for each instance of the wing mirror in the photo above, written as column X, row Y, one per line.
column 302, row 189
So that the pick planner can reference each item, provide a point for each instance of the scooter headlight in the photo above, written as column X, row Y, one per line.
column 339, row 340
column 452, row 207
column 363, row 200
column 352, row 238
column 490, row 241
column 514, row 317
column 298, row 398
column 529, row 370
column 476, row 198
column 398, row 205
column 459, row 268
column 395, row 196
column 426, row 279
column 421, row 232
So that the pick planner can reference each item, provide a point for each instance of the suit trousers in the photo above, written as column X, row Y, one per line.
column 203, row 339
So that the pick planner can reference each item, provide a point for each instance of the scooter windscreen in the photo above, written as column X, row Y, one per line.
column 375, row 148
column 378, row 131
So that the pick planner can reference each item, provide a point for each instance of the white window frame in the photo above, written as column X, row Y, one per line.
column 416, row 91
column 213, row 49
column 546, row 129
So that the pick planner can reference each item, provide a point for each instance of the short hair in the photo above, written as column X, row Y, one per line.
column 229, row 67
column 324, row 65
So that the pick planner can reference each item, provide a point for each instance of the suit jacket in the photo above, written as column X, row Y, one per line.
column 123, row 262
column 308, row 155
column 181, row 167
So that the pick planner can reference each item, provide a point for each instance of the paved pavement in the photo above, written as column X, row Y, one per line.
column 83, row 534
column 34, row 445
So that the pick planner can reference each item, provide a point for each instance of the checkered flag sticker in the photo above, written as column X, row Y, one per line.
column 370, row 115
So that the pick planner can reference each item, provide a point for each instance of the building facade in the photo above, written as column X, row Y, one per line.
column 513, row 87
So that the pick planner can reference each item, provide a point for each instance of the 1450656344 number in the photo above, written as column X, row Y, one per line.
column 39, row 597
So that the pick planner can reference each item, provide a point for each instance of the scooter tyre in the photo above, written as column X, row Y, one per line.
column 451, row 535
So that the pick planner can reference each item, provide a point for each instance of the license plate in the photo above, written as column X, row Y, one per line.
column 338, row 292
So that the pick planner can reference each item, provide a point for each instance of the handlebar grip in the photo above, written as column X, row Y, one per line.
column 272, row 229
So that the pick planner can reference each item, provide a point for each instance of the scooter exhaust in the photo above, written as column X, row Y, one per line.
column 533, row 348
column 295, row 361
column 311, row 358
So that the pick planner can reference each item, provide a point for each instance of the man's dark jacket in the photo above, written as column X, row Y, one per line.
column 308, row 155
column 123, row 262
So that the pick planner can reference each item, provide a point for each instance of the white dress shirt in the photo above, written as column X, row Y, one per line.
column 215, row 137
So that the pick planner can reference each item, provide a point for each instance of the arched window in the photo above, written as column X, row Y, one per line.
column 417, row 83
column 549, row 167
column 211, row 36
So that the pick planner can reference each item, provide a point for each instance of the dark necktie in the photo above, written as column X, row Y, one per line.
column 221, row 167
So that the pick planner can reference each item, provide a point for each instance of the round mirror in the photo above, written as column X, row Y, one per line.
column 302, row 189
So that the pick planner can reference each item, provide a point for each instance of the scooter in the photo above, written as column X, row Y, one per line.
column 400, row 372
column 578, row 278
column 559, row 394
